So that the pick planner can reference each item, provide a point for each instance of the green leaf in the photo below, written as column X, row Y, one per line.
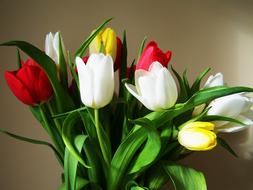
column 19, row 59
column 183, row 90
column 196, row 85
column 80, row 184
column 64, row 101
column 80, row 52
column 71, row 163
column 221, row 118
column 150, row 150
column 123, row 157
column 68, row 136
column 62, row 63
column 72, row 70
column 141, row 48
column 156, row 176
column 225, row 145
column 185, row 178
column 34, row 141
column 203, row 96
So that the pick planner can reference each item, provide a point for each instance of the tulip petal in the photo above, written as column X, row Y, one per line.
column 132, row 89
column 85, row 76
column 103, row 81
column 229, row 106
column 235, row 127
column 18, row 89
column 214, row 80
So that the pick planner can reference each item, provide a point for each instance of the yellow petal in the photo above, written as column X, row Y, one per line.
column 197, row 139
column 200, row 124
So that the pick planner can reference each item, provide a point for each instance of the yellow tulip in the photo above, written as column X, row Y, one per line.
column 198, row 136
column 105, row 42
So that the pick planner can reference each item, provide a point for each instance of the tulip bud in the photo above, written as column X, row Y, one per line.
column 197, row 136
column 151, row 54
column 155, row 88
column 105, row 42
column 96, row 80
column 52, row 46
column 29, row 84
column 214, row 80
column 237, row 106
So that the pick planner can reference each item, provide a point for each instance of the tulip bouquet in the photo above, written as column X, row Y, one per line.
column 131, row 136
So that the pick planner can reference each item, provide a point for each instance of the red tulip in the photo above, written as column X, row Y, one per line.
column 118, row 54
column 153, row 53
column 30, row 83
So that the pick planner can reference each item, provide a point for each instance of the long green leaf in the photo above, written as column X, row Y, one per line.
column 34, row 141
column 62, row 63
column 80, row 52
column 71, row 163
column 151, row 149
column 225, row 145
column 196, row 85
column 123, row 157
column 68, row 136
column 64, row 101
column 185, row 178
column 203, row 96
column 80, row 184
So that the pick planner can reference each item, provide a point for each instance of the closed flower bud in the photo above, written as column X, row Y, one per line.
column 96, row 80
column 52, row 46
column 197, row 136
column 30, row 83
column 105, row 42
column 237, row 106
column 155, row 88
column 151, row 54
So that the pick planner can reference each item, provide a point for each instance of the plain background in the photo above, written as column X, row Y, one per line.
column 217, row 34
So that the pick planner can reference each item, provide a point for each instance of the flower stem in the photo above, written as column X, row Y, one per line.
column 99, row 135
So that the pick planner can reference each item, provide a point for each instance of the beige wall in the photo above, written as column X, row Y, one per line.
column 217, row 34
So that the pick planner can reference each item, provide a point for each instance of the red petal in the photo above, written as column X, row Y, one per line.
column 18, row 89
column 43, row 87
column 118, row 55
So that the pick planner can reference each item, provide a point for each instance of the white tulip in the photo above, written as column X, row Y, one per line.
column 237, row 106
column 155, row 88
column 96, row 80
column 52, row 46
column 214, row 80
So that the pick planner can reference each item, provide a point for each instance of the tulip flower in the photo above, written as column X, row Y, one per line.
column 105, row 42
column 29, row 84
column 117, row 61
column 214, row 80
column 52, row 46
column 237, row 106
column 96, row 80
column 152, row 53
column 198, row 136
column 155, row 88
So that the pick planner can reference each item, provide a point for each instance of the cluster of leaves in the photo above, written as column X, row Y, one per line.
column 141, row 146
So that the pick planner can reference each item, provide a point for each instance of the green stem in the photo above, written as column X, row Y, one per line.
column 49, row 131
column 100, row 136
column 57, row 124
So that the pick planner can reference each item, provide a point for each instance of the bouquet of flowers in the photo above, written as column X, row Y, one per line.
column 119, row 125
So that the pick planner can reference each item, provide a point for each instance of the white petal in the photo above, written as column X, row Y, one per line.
column 132, row 89
column 155, row 67
column 102, row 68
column 148, row 90
column 230, row 106
column 216, row 80
column 166, row 90
column 235, row 127
column 137, row 74
column 85, row 76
